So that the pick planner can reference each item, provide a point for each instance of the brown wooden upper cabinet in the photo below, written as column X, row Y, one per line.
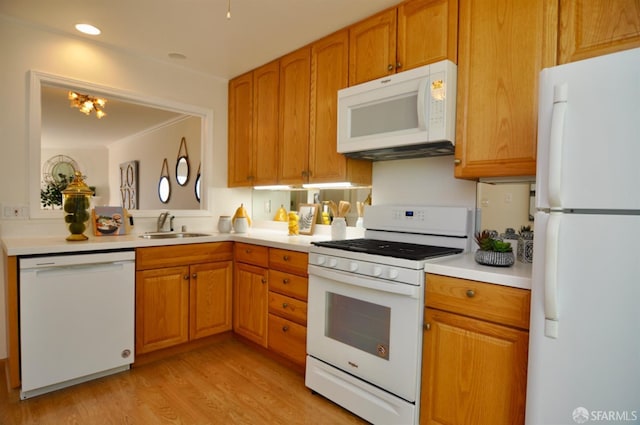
column 330, row 73
column 295, row 81
column 415, row 33
column 591, row 28
column 253, row 127
column 503, row 45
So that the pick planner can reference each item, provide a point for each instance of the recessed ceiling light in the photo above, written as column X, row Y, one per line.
column 175, row 55
column 88, row 29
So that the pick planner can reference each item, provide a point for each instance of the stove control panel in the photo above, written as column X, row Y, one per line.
column 410, row 276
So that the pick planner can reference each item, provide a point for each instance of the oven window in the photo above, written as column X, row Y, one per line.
column 360, row 324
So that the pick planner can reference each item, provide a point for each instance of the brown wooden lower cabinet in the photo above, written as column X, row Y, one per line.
column 188, row 299
column 474, row 360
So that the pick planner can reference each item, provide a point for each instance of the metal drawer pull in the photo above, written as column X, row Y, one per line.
column 286, row 258
column 285, row 328
column 471, row 293
column 285, row 281
column 285, row 305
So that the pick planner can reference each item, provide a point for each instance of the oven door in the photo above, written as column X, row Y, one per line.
column 367, row 327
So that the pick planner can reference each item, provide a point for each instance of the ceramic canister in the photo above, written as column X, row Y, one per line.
column 241, row 225
column 224, row 224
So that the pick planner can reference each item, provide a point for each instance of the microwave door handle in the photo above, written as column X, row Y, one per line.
column 423, row 110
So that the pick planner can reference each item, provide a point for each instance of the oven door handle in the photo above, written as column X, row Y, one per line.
column 388, row 286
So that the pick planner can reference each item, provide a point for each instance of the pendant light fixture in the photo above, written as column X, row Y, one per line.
column 228, row 9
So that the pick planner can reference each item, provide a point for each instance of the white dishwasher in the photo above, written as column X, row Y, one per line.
column 77, row 318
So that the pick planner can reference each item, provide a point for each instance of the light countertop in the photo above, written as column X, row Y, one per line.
column 461, row 266
column 464, row 266
column 58, row 244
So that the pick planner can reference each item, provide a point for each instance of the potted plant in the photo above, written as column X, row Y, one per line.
column 493, row 251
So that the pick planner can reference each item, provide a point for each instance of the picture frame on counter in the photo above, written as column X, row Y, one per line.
column 307, row 214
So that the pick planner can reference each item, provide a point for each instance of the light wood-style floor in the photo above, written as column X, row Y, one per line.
column 225, row 383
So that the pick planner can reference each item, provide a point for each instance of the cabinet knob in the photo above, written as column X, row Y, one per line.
column 390, row 67
column 264, row 280
column 186, row 277
column 471, row 293
column 195, row 275
column 285, row 281
column 427, row 326
column 285, row 328
column 286, row 258
column 457, row 161
column 247, row 251
column 398, row 64
column 285, row 305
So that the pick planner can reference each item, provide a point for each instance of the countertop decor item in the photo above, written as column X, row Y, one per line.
column 281, row 214
column 307, row 214
column 293, row 226
column 76, row 199
column 224, row 224
column 241, row 212
column 525, row 244
column 493, row 251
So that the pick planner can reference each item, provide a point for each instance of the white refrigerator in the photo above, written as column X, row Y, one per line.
column 584, row 346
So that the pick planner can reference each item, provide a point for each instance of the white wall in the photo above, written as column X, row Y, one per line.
column 150, row 149
column 27, row 48
column 421, row 181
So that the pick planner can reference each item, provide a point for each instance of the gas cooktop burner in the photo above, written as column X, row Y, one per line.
column 404, row 250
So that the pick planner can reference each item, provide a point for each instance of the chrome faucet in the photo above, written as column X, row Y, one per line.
column 162, row 218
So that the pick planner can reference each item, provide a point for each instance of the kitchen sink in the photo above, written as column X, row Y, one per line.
column 172, row 235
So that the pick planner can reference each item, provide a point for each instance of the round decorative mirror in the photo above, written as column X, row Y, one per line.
column 182, row 165
column 197, row 185
column 164, row 185
column 182, row 170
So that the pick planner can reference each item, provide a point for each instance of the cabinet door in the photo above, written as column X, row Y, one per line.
column 427, row 32
column 473, row 372
column 503, row 45
column 240, row 157
column 250, row 303
column 591, row 28
column 210, row 299
column 265, row 123
column 295, row 75
column 330, row 73
column 372, row 47
column 162, row 308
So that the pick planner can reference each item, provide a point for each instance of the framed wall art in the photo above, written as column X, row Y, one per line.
column 307, row 214
column 129, row 185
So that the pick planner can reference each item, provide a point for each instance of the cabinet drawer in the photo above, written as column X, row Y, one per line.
column 288, row 261
column 178, row 255
column 289, row 284
column 495, row 303
column 288, row 339
column 253, row 254
column 288, row 308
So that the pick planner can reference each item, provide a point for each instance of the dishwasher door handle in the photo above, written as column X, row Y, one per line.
column 85, row 268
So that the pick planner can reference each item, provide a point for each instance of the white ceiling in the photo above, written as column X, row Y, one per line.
column 258, row 31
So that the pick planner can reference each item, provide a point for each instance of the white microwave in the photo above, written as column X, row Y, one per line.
column 406, row 115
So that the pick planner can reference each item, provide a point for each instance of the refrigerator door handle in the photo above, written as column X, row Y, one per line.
column 551, row 276
column 555, row 144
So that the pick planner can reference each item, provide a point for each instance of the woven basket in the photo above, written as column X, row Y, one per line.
column 492, row 258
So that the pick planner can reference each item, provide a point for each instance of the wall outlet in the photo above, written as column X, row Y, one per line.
column 15, row 211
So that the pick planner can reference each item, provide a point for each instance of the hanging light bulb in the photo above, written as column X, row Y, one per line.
column 228, row 9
